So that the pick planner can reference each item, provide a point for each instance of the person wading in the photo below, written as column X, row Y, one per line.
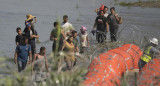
column 57, row 36
column 112, row 20
column 31, row 38
column 39, row 65
column 149, row 53
column 22, row 52
column 102, row 27
column 68, row 48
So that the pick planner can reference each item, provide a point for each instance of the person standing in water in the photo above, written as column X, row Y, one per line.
column 23, row 51
column 68, row 48
column 84, row 42
column 113, row 24
column 31, row 37
column 101, row 27
column 39, row 64
column 75, row 42
column 57, row 35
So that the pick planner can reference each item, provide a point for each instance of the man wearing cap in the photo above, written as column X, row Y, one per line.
column 149, row 53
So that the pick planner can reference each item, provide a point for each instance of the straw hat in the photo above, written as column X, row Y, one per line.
column 29, row 17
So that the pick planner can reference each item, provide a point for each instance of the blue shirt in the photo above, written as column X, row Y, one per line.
column 23, row 52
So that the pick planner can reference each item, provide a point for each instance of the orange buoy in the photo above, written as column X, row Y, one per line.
column 150, row 74
column 107, row 68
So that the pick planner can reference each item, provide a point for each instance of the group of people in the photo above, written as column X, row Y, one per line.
column 64, row 38
column 105, row 22
column 65, row 41
column 26, row 47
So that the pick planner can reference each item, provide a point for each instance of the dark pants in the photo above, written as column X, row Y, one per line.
column 141, row 63
column 113, row 32
column 101, row 36
column 33, row 49
column 21, row 65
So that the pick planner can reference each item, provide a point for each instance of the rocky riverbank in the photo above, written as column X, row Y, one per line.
column 152, row 4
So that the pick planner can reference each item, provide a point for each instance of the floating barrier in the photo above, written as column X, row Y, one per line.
column 150, row 74
column 108, row 68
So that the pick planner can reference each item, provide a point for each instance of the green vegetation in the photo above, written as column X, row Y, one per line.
column 155, row 4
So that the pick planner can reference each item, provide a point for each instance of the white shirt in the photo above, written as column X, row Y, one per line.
column 83, row 39
column 67, row 27
column 106, row 15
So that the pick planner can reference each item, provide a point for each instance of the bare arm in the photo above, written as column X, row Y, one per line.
column 46, row 63
column 96, row 10
column 107, row 27
column 63, row 46
column 35, row 20
column 30, row 57
column 63, row 34
column 34, row 36
column 87, row 41
column 117, row 18
column 15, row 57
column 95, row 24
column 32, row 64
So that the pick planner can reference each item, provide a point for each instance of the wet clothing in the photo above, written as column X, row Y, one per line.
column 54, row 34
column 39, row 63
column 100, row 36
column 21, row 65
column 39, row 68
column 101, row 23
column 18, row 39
column 69, row 55
column 149, row 53
column 113, row 26
column 113, row 32
column 22, row 52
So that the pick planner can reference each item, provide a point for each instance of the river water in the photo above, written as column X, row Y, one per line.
column 80, row 12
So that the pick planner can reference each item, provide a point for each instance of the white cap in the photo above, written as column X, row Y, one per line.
column 154, row 41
